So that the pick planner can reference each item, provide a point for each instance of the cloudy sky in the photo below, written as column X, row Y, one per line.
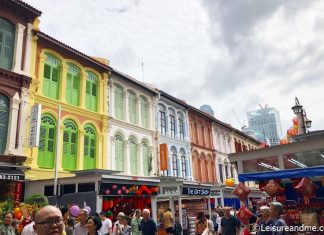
column 233, row 55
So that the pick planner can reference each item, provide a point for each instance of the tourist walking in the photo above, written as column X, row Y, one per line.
column 106, row 227
column 148, row 226
column 80, row 228
column 136, row 222
column 6, row 228
column 168, row 221
column 229, row 224
column 93, row 225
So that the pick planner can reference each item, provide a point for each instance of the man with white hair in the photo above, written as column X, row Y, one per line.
column 148, row 226
column 264, row 222
column 278, row 226
column 118, row 223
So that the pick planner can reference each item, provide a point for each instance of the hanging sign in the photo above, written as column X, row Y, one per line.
column 163, row 157
column 195, row 191
column 34, row 125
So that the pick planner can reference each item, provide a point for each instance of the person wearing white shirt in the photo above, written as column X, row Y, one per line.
column 106, row 224
column 118, row 223
column 28, row 229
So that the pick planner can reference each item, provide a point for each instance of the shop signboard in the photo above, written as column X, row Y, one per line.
column 11, row 177
column 111, row 189
column 215, row 193
column 34, row 125
column 163, row 157
column 195, row 191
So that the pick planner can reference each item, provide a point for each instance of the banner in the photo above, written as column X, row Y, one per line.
column 163, row 157
column 34, row 125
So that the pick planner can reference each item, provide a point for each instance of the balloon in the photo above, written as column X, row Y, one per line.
column 229, row 182
column 244, row 214
column 17, row 210
column 273, row 188
column 107, row 191
column 74, row 210
column 88, row 208
column 18, row 215
column 241, row 191
column 307, row 189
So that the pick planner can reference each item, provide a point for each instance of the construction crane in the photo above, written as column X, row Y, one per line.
column 238, row 120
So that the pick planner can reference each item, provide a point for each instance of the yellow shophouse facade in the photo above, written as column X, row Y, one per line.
column 65, row 77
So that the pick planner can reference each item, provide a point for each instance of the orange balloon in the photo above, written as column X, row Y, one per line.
column 295, row 121
column 296, row 126
column 18, row 215
column 229, row 182
column 17, row 210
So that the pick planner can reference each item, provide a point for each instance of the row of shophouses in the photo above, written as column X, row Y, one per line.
column 111, row 126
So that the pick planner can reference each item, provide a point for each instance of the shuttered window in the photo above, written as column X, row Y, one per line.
column 91, row 91
column 183, row 163
column 119, row 102
column 146, row 159
column 133, row 156
column 7, row 40
column 73, row 85
column 174, row 162
column 145, row 112
column 119, row 153
column 132, row 107
column 47, row 142
column 51, row 77
column 70, row 146
column 89, row 147
column 4, row 118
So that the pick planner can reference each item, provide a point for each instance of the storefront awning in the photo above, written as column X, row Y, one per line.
column 283, row 174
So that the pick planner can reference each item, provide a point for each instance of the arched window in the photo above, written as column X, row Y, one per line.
column 132, row 104
column 133, row 155
column 162, row 117
column 90, row 139
column 145, row 112
column 119, row 102
column 7, row 40
column 70, row 145
column 119, row 153
column 174, row 161
column 172, row 122
column 196, row 166
column 91, row 91
column 4, row 118
column 51, row 77
column 181, row 126
column 47, row 142
column 220, row 169
column 183, row 163
column 146, row 158
column 73, row 85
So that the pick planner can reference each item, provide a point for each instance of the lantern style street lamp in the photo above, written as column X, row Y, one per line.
column 303, row 122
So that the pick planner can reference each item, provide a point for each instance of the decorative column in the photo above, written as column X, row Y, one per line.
column 83, row 89
column 179, row 166
column 28, row 51
column 62, row 92
column 186, row 126
column 112, row 155
column 111, row 99
column 104, row 143
column 60, row 153
column 141, row 160
column 139, row 111
column 170, row 168
column 105, row 93
column 154, row 161
column 127, row 160
column 100, row 97
column 42, row 59
column 23, row 120
column 12, row 124
column 81, row 150
column 17, row 56
column 126, row 108
column 100, row 154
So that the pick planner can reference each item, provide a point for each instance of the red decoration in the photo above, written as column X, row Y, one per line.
column 244, row 214
column 241, row 191
column 295, row 181
column 273, row 188
column 246, row 232
column 295, row 121
column 307, row 189
column 19, row 191
column 262, row 184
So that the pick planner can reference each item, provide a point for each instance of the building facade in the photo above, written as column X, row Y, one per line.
column 64, row 77
column 266, row 122
column 172, row 127
column 202, row 147
column 131, row 134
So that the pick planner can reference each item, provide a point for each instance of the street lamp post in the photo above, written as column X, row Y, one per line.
column 303, row 122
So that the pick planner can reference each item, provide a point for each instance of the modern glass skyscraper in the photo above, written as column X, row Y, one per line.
column 266, row 122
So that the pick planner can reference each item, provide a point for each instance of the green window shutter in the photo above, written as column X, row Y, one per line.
column 4, row 118
column 119, row 102
column 47, row 80
column 144, row 111
column 76, row 90
column 145, row 159
column 7, row 39
column 66, row 146
column 91, row 92
column 46, row 150
column 132, row 107
column 133, row 157
column 119, row 153
column 51, row 77
column 69, row 88
column 88, row 94
column 69, row 145
column 55, row 83
column 90, row 141
column 73, row 85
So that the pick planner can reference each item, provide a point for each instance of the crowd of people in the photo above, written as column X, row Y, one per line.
column 52, row 220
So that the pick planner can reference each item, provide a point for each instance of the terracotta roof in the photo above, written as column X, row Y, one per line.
column 131, row 79
column 27, row 7
column 59, row 43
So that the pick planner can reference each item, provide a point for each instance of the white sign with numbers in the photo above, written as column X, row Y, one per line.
column 34, row 125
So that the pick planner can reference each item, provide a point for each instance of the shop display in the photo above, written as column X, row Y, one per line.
column 192, row 226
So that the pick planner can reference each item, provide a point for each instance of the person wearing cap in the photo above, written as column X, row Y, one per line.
column 106, row 224
column 148, row 226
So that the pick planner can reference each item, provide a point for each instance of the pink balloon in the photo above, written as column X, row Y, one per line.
column 119, row 192
column 74, row 210
column 88, row 208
